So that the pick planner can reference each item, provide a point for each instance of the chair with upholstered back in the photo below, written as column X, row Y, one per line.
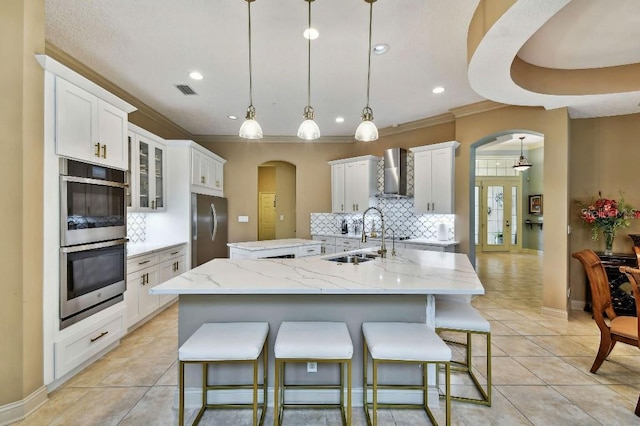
column 615, row 328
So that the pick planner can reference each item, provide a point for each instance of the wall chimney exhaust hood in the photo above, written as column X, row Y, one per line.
column 395, row 173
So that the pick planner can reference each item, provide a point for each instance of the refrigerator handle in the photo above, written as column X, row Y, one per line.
column 214, row 222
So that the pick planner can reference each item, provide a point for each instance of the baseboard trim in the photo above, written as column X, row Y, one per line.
column 532, row 251
column 556, row 313
column 193, row 397
column 18, row 410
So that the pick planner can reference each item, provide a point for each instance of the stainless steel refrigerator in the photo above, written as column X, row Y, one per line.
column 208, row 228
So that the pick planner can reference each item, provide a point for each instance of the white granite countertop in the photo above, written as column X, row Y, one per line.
column 272, row 244
column 410, row 272
column 428, row 241
column 138, row 249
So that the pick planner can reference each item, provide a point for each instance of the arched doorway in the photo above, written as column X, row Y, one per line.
column 511, row 229
column 276, row 200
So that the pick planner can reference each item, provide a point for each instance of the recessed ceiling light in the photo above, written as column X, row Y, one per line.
column 339, row 119
column 232, row 117
column 380, row 49
column 438, row 89
column 310, row 34
column 195, row 75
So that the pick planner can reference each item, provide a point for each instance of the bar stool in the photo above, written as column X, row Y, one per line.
column 309, row 341
column 402, row 343
column 226, row 343
column 455, row 314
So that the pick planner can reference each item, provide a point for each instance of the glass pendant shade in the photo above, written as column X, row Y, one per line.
column 367, row 131
column 308, row 130
column 250, row 128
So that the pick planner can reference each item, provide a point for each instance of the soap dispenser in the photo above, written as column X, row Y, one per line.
column 345, row 229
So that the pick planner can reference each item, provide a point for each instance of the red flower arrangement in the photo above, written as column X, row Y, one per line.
column 608, row 215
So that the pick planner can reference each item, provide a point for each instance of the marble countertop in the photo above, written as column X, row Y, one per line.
column 138, row 249
column 273, row 244
column 410, row 272
column 432, row 242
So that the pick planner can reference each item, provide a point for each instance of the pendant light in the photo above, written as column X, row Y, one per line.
column 367, row 130
column 522, row 164
column 308, row 130
column 250, row 129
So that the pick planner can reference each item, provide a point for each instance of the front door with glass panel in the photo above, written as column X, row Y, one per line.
column 498, row 213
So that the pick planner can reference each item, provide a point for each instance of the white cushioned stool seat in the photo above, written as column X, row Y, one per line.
column 237, row 343
column 225, row 342
column 323, row 342
column 404, row 341
column 460, row 315
column 407, row 344
column 456, row 315
column 313, row 339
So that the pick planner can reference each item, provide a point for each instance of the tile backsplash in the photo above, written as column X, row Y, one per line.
column 398, row 214
column 137, row 227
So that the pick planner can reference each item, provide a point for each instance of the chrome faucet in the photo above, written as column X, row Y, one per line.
column 383, row 249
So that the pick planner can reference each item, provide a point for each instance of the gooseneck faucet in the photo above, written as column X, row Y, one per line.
column 393, row 242
column 383, row 249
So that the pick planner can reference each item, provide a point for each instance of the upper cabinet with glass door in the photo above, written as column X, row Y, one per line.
column 147, row 171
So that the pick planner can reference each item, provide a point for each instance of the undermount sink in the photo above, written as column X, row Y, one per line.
column 353, row 258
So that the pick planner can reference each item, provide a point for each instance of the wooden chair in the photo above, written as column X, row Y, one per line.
column 633, row 275
column 616, row 328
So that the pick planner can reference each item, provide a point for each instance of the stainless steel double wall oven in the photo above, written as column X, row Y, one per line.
column 93, row 232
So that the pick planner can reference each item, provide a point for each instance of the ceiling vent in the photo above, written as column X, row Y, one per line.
column 185, row 89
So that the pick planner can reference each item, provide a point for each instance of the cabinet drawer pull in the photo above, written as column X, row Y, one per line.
column 104, row 333
column 104, row 151
column 175, row 252
column 142, row 263
column 97, row 153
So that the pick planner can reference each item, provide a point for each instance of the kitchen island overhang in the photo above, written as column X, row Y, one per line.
column 396, row 288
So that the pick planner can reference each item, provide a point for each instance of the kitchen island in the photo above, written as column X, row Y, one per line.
column 396, row 288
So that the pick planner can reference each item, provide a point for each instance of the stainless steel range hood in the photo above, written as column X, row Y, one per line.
column 395, row 173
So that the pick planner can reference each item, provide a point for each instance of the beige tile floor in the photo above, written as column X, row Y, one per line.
column 540, row 370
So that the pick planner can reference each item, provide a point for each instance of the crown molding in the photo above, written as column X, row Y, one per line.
column 476, row 108
column 64, row 58
column 271, row 139
column 447, row 117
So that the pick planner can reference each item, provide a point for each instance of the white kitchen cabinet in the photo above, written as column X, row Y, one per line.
column 206, row 171
column 327, row 244
column 347, row 244
column 89, row 128
column 145, row 272
column 353, row 183
column 147, row 171
column 88, row 338
column 434, row 178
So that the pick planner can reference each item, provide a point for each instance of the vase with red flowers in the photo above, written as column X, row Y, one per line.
column 607, row 215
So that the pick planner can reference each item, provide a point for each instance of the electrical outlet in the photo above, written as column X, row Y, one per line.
column 312, row 367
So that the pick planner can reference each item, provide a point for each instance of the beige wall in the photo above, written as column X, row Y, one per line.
column 286, row 200
column 21, row 209
column 605, row 157
column 555, row 127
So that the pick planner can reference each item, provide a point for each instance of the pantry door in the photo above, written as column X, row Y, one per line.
column 500, row 214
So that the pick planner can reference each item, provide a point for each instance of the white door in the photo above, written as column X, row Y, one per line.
column 500, row 212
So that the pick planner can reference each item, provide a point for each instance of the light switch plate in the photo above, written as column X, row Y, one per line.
column 243, row 219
